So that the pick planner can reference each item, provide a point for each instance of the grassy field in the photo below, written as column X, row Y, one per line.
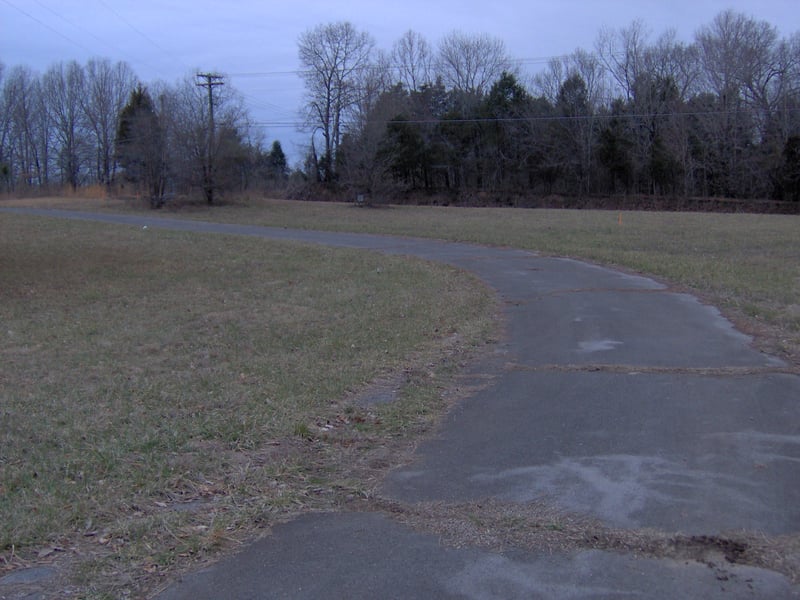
column 747, row 265
column 165, row 394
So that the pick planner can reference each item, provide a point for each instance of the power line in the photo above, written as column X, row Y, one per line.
column 212, row 80
column 102, row 41
column 61, row 34
column 541, row 118
column 265, row 73
column 140, row 33
column 535, row 60
column 264, row 104
column 43, row 24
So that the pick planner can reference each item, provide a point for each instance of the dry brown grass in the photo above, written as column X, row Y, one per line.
column 747, row 265
column 165, row 394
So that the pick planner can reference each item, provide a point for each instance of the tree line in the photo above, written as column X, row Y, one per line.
column 97, row 124
column 715, row 117
column 719, row 116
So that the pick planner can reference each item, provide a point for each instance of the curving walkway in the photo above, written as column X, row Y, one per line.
column 612, row 397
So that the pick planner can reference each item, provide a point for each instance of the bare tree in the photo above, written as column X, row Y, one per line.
column 587, row 66
column 745, row 57
column 622, row 53
column 372, row 81
column 5, row 126
column 184, row 111
column 735, row 51
column 333, row 57
column 363, row 165
column 548, row 82
column 576, row 86
column 746, row 67
column 64, row 87
column 14, row 90
column 412, row 59
column 591, row 71
column 671, row 76
column 472, row 63
column 108, row 87
column 788, row 104
column 671, row 59
column 27, row 157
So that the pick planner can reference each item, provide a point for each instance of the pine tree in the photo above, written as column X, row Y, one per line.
column 140, row 146
column 278, row 166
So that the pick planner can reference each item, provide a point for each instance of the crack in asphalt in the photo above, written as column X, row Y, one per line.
column 654, row 370
column 498, row 526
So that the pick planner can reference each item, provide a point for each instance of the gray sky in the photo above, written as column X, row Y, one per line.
column 255, row 42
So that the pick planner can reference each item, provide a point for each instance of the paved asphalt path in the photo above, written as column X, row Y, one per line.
column 611, row 397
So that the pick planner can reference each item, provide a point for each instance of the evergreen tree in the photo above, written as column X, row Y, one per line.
column 140, row 146
column 791, row 168
column 278, row 166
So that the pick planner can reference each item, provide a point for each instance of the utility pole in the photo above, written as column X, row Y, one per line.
column 211, row 81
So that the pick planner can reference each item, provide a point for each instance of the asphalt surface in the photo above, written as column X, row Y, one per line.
column 611, row 397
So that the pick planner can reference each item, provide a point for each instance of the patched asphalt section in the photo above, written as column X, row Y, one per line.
column 696, row 454
column 611, row 396
column 367, row 555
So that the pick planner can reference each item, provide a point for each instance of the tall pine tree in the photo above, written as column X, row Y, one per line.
column 140, row 146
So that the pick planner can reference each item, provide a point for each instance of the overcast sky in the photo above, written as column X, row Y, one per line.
column 255, row 42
